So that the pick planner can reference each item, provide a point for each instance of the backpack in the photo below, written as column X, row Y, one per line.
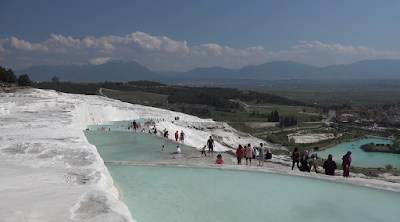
column 268, row 156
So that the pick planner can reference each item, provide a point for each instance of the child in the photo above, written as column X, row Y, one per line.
column 239, row 154
column 219, row 160
column 163, row 148
column 178, row 150
column 203, row 151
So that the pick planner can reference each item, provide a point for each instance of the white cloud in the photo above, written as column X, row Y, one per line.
column 336, row 48
column 163, row 53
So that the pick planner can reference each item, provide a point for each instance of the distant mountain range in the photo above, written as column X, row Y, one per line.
column 119, row 70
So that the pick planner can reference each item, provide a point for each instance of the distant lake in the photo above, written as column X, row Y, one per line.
column 361, row 158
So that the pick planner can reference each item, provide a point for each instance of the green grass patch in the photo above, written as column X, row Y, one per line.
column 136, row 96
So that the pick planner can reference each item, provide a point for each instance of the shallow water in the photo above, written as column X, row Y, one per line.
column 119, row 125
column 361, row 158
column 129, row 146
column 161, row 193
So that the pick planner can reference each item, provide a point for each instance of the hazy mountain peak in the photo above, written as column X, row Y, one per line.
column 100, row 61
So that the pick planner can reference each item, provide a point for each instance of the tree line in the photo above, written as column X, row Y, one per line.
column 211, row 96
column 8, row 76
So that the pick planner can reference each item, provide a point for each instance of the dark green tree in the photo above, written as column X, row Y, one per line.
column 2, row 74
column 9, row 76
column 23, row 80
column 55, row 79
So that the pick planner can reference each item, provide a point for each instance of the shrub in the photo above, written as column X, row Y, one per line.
column 272, row 138
column 389, row 167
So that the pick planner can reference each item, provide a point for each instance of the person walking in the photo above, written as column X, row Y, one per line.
column 346, row 164
column 329, row 166
column 176, row 136
column 211, row 145
column 312, row 159
column 239, row 154
column 295, row 157
column 261, row 156
column 182, row 137
column 249, row 153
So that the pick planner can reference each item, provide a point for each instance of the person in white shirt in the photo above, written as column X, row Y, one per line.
column 178, row 150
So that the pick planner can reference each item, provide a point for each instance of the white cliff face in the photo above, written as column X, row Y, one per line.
column 49, row 170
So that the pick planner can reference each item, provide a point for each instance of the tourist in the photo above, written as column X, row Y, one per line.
column 239, row 154
column 178, row 150
column 165, row 133
column 346, row 164
column 312, row 159
column 255, row 153
column 143, row 130
column 182, row 137
column 249, row 153
column 163, row 148
column 211, row 144
column 304, row 162
column 134, row 125
column 329, row 166
column 109, row 129
column 219, row 160
column 203, row 151
column 155, row 130
column 261, row 156
column 176, row 136
column 268, row 155
column 245, row 148
column 295, row 157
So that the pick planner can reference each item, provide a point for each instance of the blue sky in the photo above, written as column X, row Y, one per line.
column 181, row 35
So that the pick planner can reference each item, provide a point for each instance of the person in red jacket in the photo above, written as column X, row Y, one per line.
column 176, row 136
column 346, row 164
column 239, row 154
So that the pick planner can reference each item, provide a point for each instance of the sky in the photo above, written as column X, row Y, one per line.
column 181, row 35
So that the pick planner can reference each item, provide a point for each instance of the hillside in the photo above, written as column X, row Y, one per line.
column 118, row 70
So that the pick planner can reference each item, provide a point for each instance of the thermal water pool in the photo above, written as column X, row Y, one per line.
column 164, row 193
column 129, row 146
column 155, row 193
column 361, row 158
column 118, row 125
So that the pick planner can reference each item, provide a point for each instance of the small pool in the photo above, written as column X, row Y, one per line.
column 361, row 158
column 163, row 193
column 118, row 125
column 129, row 146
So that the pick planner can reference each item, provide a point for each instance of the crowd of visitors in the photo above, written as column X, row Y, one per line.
column 309, row 162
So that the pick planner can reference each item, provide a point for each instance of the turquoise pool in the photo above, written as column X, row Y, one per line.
column 182, row 194
column 129, row 146
column 361, row 158
column 119, row 125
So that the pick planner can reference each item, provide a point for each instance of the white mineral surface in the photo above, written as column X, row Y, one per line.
column 49, row 171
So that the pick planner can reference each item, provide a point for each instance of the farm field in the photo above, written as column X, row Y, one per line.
column 135, row 96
